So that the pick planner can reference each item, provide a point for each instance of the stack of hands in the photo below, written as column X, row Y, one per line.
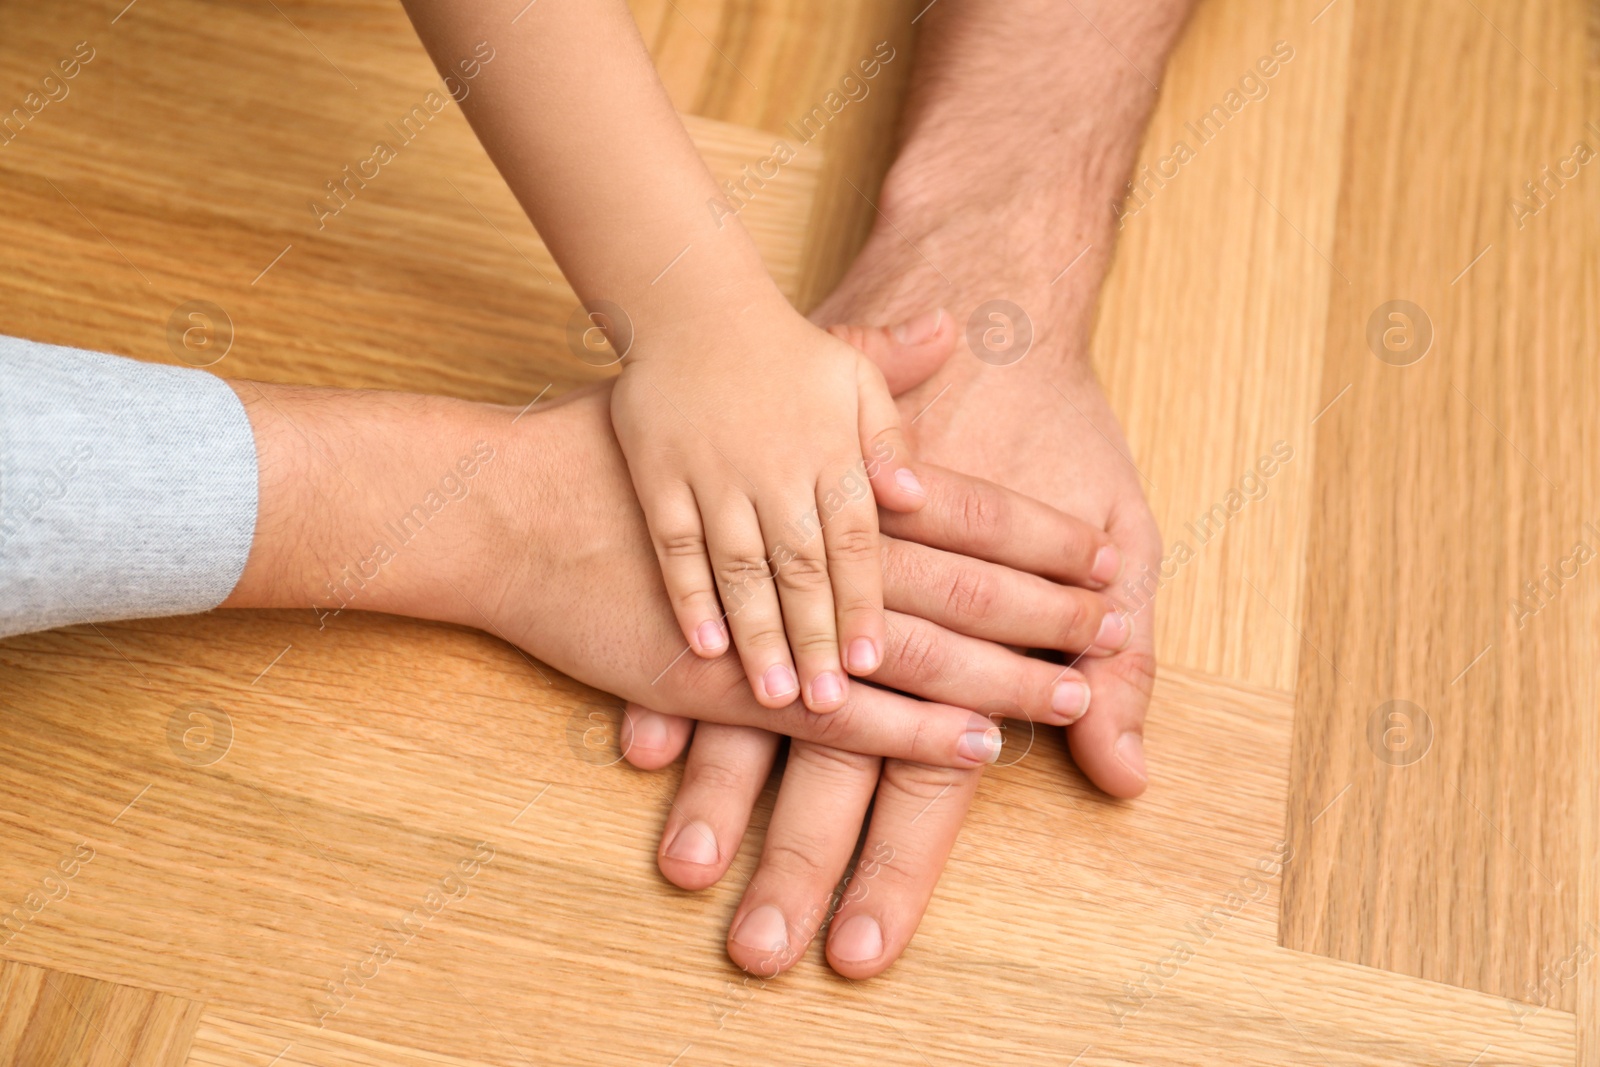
column 848, row 536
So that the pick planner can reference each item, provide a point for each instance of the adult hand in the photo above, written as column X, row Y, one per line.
column 537, row 537
column 1030, row 228
column 917, row 809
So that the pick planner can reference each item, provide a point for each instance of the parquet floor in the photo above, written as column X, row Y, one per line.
column 1381, row 666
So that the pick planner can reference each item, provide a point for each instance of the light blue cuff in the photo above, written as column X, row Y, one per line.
column 127, row 489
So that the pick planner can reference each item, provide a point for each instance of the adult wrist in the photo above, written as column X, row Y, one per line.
column 374, row 501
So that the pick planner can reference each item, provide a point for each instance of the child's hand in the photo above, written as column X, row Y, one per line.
column 760, row 450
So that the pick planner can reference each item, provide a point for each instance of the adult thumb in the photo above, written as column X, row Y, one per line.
column 908, row 352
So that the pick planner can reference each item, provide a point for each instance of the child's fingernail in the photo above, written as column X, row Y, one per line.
column 826, row 688
column 858, row 939
column 1107, row 565
column 907, row 480
column 1070, row 700
column 695, row 843
column 920, row 328
column 763, row 930
column 1114, row 632
column 980, row 745
column 711, row 637
column 863, row 656
column 779, row 681
column 1130, row 753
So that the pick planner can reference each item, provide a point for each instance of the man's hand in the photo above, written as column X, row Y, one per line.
column 1032, row 226
column 525, row 525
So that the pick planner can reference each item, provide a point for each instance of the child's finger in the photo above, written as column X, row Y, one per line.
column 800, row 563
column 680, row 543
column 740, row 562
column 883, row 447
column 855, row 567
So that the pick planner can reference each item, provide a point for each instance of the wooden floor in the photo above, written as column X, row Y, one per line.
column 1356, row 673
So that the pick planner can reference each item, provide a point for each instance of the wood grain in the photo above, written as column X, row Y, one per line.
column 1441, row 487
column 252, row 867
column 767, row 65
column 263, row 797
column 50, row 1019
column 207, row 196
column 1211, row 334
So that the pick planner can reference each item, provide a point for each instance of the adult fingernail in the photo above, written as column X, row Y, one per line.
column 916, row 330
column 647, row 731
column 863, row 656
column 711, row 637
column 980, row 744
column 858, row 939
column 779, row 681
column 1114, row 632
column 1070, row 699
column 763, row 930
column 826, row 688
column 694, row 843
column 1129, row 751
column 1107, row 565
column 907, row 480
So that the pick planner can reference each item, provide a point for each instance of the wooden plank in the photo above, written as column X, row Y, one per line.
column 52, row 1019
column 771, row 65
column 1442, row 486
column 208, row 196
column 377, row 756
column 1210, row 336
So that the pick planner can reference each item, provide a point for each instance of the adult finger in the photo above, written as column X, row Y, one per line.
column 722, row 778
column 1108, row 742
column 916, row 816
column 908, row 353
column 814, row 827
column 649, row 739
column 981, row 519
column 987, row 600
column 872, row 720
column 931, row 661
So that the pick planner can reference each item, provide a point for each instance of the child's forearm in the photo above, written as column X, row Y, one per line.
column 574, row 116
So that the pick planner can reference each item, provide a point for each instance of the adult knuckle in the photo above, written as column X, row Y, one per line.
column 917, row 654
column 1136, row 667
column 969, row 594
column 832, row 730
column 984, row 513
column 836, row 763
column 716, row 777
column 921, row 781
column 1075, row 616
column 798, row 858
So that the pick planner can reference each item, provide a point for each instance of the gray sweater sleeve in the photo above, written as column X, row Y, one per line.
column 127, row 489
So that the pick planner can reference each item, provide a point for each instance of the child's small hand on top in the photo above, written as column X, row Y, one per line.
column 760, row 447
